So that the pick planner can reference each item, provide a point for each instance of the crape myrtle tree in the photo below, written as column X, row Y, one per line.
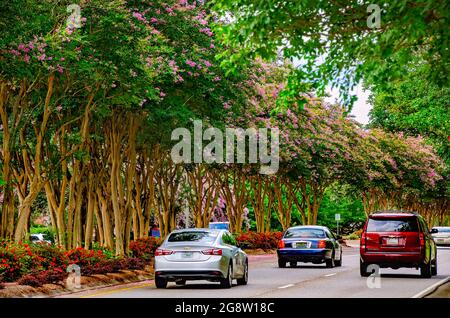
column 79, row 105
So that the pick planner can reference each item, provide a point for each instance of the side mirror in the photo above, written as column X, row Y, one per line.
column 434, row 231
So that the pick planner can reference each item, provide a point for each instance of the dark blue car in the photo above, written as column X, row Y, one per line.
column 309, row 244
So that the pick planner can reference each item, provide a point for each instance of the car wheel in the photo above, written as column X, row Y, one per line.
column 227, row 282
column 434, row 267
column 425, row 270
column 160, row 282
column 181, row 282
column 244, row 279
column 363, row 269
column 330, row 262
column 281, row 263
column 293, row 264
column 339, row 262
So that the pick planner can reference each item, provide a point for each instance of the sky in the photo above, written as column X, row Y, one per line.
column 361, row 107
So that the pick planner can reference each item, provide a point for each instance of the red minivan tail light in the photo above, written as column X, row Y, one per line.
column 422, row 240
column 363, row 240
column 212, row 251
column 160, row 252
column 322, row 244
column 281, row 244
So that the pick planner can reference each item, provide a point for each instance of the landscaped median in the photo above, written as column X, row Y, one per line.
column 41, row 269
column 27, row 269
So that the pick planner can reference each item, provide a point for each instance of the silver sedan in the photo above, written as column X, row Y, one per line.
column 200, row 254
column 441, row 235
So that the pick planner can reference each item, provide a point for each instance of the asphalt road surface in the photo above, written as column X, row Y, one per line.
column 267, row 280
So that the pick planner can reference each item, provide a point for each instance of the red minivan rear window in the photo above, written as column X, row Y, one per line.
column 393, row 225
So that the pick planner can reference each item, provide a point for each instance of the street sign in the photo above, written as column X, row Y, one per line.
column 337, row 217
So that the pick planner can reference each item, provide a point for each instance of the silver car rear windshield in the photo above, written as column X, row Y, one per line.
column 311, row 233
column 194, row 236
column 443, row 230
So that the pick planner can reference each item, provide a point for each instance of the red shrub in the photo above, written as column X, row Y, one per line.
column 145, row 247
column 83, row 257
column 136, row 263
column 38, row 279
column 11, row 267
column 33, row 280
column 253, row 240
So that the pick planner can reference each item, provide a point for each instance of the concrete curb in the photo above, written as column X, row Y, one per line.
column 432, row 288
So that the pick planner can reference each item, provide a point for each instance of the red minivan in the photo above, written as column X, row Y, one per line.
column 397, row 239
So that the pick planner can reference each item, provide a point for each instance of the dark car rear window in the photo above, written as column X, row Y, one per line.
column 194, row 236
column 311, row 233
column 393, row 225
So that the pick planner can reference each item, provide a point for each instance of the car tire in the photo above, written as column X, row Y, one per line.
column 181, row 282
column 434, row 267
column 293, row 264
column 339, row 262
column 244, row 279
column 227, row 281
column 363, row 269
column 425, row 270
column 160, row 282
column 281, row 263
column 330, row 262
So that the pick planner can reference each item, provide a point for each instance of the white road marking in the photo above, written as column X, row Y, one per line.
column 430, row 289
column 328, row 275
column 286, row 286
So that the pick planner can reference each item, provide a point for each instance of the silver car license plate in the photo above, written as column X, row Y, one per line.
column 187, row 254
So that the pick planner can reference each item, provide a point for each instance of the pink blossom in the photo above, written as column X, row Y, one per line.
column 207, row 63
column 226, row 105
column 26, row 58
column 21, row 46
column 15, row 52
column 154, row 20
column 191, row 63
column 212, row 46
column 41, row 57
column 60, row 69
column 138, row 16
column 216, row 79
column 62, row 59
column 161, row 94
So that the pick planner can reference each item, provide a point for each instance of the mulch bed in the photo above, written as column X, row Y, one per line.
column 14, row 290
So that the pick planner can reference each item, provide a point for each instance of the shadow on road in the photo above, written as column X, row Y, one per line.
column 197, row 286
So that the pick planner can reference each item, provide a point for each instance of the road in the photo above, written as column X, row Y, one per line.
column 266, row 280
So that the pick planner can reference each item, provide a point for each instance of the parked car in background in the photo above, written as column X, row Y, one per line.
column 200, row 254
column 397, row 239
column 441, row 235
column 220, row 225
column 39, row 238
column 309, row 244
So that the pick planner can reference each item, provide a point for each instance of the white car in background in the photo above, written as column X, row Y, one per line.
column 441, row 235
column 39, row 238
